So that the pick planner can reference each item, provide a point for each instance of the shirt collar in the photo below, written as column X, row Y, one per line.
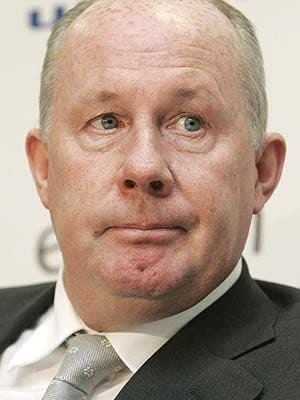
column 51, row 330
column 134, row 346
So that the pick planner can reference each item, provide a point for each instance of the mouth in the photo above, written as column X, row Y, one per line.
column 147, row 227
column 156, row 234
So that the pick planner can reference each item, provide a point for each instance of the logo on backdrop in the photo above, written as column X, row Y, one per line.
column 43, row 19
column 48, row 253
column 50, row 259
column 40, row 19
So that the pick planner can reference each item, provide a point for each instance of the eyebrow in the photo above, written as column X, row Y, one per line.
column 105, row 96
column 186, row 93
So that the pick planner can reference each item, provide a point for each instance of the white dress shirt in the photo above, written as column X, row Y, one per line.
column 28, row 366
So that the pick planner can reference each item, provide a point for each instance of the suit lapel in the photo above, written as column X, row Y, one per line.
column 198, row 362
column 242, row 320
column 190, row 372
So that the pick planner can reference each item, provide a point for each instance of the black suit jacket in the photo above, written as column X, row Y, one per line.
column 245, row 346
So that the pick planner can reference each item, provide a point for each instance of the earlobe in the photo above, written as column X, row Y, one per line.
column 269, row 166
column 37, row 155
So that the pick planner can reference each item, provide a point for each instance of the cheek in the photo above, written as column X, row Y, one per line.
column 220, row 236
column 77, row 185
column 212, row 188
column 220, row 192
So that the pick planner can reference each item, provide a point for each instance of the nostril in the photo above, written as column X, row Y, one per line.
column 157, row 185
column 129, row 184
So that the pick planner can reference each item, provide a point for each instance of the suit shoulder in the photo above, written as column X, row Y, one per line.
column 24, row 291
column 19, row 295
column 285, row 298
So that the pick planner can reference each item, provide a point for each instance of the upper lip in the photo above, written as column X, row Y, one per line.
column 147, row 226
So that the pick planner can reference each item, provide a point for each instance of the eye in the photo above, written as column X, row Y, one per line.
column 191, row 123
column 105, row 121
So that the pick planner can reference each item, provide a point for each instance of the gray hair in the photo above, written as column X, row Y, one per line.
column 251, row 67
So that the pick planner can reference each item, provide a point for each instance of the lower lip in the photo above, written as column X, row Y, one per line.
column 159, row 235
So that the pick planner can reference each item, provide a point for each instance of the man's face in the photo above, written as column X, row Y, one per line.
column 149, row 129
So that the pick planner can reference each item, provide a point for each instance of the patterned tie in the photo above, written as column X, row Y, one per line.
column 89, row 360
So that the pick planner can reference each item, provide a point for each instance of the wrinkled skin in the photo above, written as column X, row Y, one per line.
column 211, row 180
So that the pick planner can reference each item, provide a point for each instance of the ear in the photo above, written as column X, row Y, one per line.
column 269, row 164
column 37, row 155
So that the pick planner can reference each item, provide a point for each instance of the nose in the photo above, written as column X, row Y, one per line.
column 145, row 169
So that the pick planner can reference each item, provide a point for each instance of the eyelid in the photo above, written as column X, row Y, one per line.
column 107, row 114
column 186, row 115
column 102, row 115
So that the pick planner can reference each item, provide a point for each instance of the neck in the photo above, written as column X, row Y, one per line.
column 104, row 312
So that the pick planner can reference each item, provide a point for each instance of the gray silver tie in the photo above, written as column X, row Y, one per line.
column 89, row 360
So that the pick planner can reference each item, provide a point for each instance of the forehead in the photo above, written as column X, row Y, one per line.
column 195, row 13
column 135, row 43
column 150, row 24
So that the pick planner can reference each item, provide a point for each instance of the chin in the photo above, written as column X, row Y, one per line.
column 149, row 282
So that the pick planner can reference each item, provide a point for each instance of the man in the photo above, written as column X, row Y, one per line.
column 152, row 158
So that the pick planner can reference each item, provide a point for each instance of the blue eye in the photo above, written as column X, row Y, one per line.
column 193, row 124
column 189, row 123
column 109, row 121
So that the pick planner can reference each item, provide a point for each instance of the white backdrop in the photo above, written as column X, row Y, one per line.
column 28, row 251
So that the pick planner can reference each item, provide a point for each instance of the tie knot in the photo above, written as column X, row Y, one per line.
column 87, row 343
column 89, row 360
